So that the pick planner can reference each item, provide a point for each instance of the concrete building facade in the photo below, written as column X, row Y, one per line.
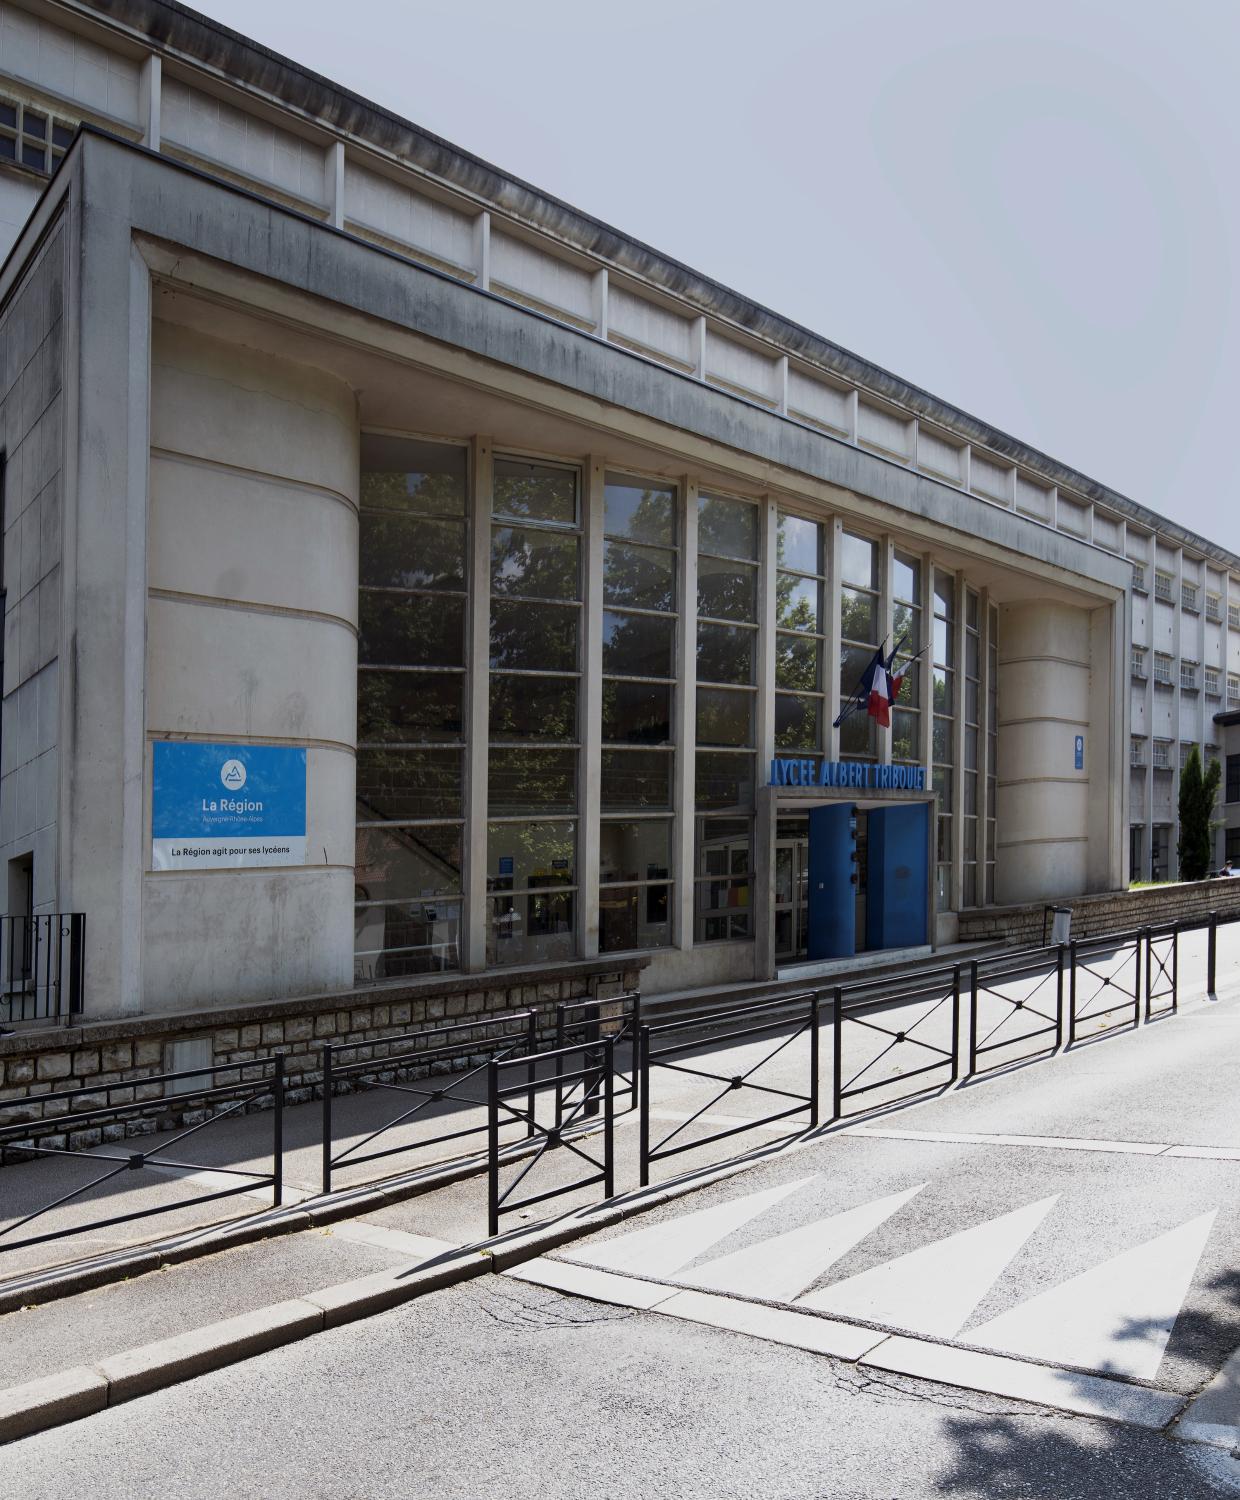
column 540, row 565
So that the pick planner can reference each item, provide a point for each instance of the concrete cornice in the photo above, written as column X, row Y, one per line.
column 180, row 33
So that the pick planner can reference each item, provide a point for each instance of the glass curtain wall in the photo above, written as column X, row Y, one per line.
column 641, row 569
column 992, row 742
column 907, row 639
column 411, row 682
column 943, row 672
column 800, row 634
column 860, row 624
column 972, row 744
column 727, row 667
column 535, row 680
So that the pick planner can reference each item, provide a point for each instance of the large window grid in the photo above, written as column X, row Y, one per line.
column 992, row 748
column 907, row 628
column 534, row 711
column 412, row 598
column 943, row 674
column 727, row 666
column 861, row 613
column 972, row 709
column 641, row 571
column 800, row 633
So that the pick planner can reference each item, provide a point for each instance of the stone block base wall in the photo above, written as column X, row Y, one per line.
column 123, row 1056
column 1115, row 911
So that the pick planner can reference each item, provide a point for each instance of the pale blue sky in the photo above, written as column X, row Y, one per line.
column 1030, row 211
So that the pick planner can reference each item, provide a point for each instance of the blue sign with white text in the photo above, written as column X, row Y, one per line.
column 216, row 806
column 1080, row 752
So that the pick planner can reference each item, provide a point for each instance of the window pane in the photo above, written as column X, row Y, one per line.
column 944, row 595
column 397, row 863
column 943, row 786
column 728, row 528
column 636, row 510
column 394, row 706
column 400, row 784
column 722, row 846
column 634, row 779
column 725, row 653
column 635, row 851
column 904, row 732
column 726, row 590
column 724, row 717
column 410, row 552
column 797, row 545
column 639, row 645
column 909, row 673
column 943, row 741
column 854, row 662
column 34, row 156
column 637, row 713
column 531, row 929
column 798, row 664
column 642, row 577
column 858, row 561
column 535, row 492
column 408, row 937
column 858, row 736
column 796, row 722
column 797, row 602
column 533, row 708
column 944, row 690
column 858, row 616
column 634, row 917
column 410, row 630
column 906, row 578
column 399, row 474
column 723, row 781
column 35, row 124
column 533, row 854
column 532, row 780
column 906, row 628
column 542, row 564
column 533, row 637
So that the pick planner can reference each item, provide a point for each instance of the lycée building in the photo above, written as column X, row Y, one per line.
column 506, row 578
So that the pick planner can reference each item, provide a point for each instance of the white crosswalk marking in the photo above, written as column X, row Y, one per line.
column 779, row 1269
column 1116, row 1317
column 933, row 1290
column 664, row 1248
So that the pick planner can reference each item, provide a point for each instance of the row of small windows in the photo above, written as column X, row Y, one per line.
column 1162, row 753
column 1190, row 595
column 32, row 137
column 1164, row 663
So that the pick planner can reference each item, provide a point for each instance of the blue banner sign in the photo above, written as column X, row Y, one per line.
column 847, row 773
column 227, row 806
column 1079, row 752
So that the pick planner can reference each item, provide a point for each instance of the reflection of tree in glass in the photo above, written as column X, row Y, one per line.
column 726, row 590
column 403, row 541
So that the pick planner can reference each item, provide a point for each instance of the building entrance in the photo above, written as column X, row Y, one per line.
column 849, row 878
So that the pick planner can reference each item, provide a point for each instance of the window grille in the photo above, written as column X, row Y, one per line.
column 1163, row 584
column 1138, row 578
column 1212, row 682
column 1214, row 607
column 1139, row 668
column 1188, row 676
column 1162, row 755
column 1233, row 616
column 1162, row 667
column 1136, row 753
column 32, row 137
column 1188, row 596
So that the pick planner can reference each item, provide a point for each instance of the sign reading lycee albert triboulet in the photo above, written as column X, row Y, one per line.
column 227, row 806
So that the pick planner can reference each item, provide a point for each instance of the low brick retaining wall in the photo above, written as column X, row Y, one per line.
column 129, row 1052
column 1112, row 911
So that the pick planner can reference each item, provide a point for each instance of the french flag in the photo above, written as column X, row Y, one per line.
column 880, row 687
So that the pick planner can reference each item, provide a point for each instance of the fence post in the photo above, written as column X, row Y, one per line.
column 531, row 1074
column 277, row 1131
column 1175, row 969
column 972, row 1019
column 327, row 1117
column 635, row 1025
column 643, row 1066
column 77, row 961
column 1212, row 961
column 955, row 1022
column 609, row 1117
column 814, row 1106
column 837, row 1050
column 1072, row 993
column 591, row 1059
column 559, row 1066
column 1148, row 938
column 1059, row 954
column 493, row 1147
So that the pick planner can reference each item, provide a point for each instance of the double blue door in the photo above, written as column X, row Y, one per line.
column 897, row 884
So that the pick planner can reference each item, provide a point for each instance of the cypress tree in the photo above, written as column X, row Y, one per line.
column 1198, row 790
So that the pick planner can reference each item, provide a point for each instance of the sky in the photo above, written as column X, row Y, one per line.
column 1031, row 211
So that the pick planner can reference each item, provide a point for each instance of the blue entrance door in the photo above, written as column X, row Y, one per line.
column 897, row 913
column 832, row 897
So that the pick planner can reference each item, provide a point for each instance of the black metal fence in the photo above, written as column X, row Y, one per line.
column 443, row 1066
column 1013, row 1002
column 41, row 967
column 132, row 1110
column 512, row 1095
column 744, row 1023
column 1162, row 971
column 587, row 1022
column 904, row 1050
column 1105, row 983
